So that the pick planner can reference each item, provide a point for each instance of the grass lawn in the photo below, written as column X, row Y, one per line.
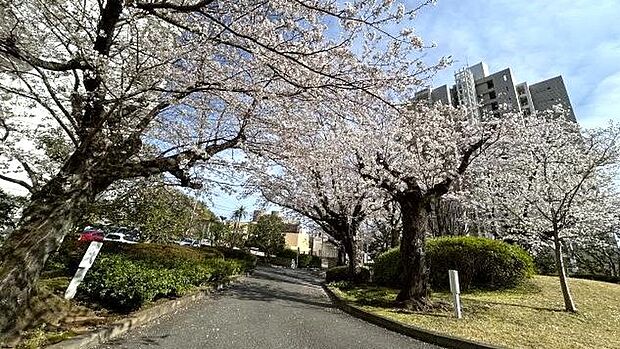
column 530, row 316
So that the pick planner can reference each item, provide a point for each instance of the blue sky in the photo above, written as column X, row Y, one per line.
column 537, row 39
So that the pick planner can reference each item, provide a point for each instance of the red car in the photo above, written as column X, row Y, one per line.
column 91, row 235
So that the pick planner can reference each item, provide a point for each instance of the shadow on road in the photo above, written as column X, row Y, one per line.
column 290, row 276
column 263, row 286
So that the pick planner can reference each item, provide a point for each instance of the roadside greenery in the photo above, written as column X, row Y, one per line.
column 125, row 277
column 267, row 235
column 341, row 273
column 528, row 316
column 482, row 263
column 161, row 213
column 123, row 284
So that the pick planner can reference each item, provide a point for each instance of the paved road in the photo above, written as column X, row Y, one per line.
column 274, row 308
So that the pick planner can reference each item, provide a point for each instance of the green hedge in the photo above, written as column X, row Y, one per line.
column 279, row 261
column 309, row 261
column 482, row 263
column 66, row 260
column 386, row 268
column 341, row 273
column 126, row 276
column 125, row 284
column 287, row 253
column 249, row 260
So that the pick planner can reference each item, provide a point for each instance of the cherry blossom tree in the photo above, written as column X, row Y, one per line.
column 308, row 172
column 415, row 155
column 141, row 88
column 550, row 182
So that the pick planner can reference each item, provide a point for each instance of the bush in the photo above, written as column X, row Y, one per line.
column 248, row 260
column 482, row 263
column 125, row 284
column 386, row 269
column 68, row 257
column 126, row 276
column 341, row 273
column 287, row 253
column 168, row 254
column 280, row 261
column 309, row 261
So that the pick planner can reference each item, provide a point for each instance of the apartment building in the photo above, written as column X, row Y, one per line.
column 476, row 88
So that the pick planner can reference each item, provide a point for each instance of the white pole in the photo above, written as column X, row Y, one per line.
column 85, row 264
column 456, row 292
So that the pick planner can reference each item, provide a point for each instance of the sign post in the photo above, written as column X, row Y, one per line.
column 456, row 292
column 85, row 264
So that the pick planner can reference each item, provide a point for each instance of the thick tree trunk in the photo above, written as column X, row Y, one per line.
column 559, row 262
column 349, row 248
column 50, row 216
column 394, row 238
column 414, row 291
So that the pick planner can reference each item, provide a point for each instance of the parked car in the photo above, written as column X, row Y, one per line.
column 189, row 242
column 92, row 235
column 120, row 237
column 128, row 234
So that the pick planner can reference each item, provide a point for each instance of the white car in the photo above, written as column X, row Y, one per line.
column 189, row 242
column 119, row 237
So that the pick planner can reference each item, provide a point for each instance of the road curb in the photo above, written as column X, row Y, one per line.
column 424, row 335
column 141, row 317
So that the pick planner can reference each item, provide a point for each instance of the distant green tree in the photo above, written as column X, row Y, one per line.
column 161, row 213
column 267, row 234
column 218, row 232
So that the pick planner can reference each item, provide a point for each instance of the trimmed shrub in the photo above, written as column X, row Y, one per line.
column 126, row 276
column 280, row 261
column 309, row 261
column 287, row 253
column 248, row 259
column 125, row 284
column 386, row 268
column 341, row 273
column 482, row 263
column 68, row 257
column 167, row 254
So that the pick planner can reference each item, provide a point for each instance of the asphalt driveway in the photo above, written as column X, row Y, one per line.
column 274, row 308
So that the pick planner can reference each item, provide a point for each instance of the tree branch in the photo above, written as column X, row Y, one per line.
column 164, row 5
column 9, row 47
column 18, row 182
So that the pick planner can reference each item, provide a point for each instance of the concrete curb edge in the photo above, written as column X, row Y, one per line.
column 421, row 334
column 141, row 317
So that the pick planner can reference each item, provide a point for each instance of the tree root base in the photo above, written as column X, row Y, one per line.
column 423, row 305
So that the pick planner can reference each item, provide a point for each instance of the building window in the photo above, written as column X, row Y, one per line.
column 492, row 95
column 490, row 84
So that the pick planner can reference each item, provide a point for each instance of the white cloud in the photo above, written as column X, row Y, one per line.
column 578, row 39
column 604, row 104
